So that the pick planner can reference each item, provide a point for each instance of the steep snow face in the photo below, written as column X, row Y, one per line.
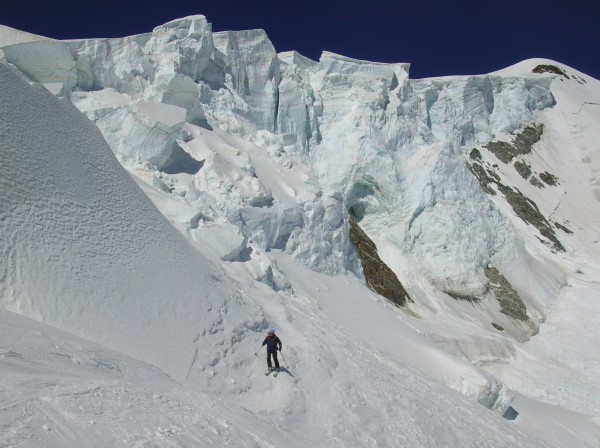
column 83, row 248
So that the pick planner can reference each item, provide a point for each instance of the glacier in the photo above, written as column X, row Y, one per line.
column 256, row 156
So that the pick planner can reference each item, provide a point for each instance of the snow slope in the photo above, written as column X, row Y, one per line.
column 58, row 390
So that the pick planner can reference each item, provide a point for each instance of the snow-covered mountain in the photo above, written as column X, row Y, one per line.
column 259, row 189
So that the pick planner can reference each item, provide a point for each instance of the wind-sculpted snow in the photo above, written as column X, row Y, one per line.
column 249, row 153
column 84, row 249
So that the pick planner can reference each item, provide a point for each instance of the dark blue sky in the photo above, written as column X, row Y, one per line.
column 438, row 37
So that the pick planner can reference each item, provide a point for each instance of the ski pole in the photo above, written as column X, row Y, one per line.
column 256, row 352
column 282, row 357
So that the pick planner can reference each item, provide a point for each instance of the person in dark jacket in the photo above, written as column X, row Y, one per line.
column 273, row 344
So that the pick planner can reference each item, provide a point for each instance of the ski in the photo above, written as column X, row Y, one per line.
column 275, row 373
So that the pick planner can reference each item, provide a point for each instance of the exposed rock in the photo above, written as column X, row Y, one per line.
column 485, row 177
column 536, row 182
column 380, row 278
column 527, row 210
column 550, row 179
column 511, row 303
column 466, row 298
column 502, row 150
column 497, row 327
column 547, row 68
column 522, row 144
column 524, row 207
column 475, row 154
column 563, row 228
column 523, row 169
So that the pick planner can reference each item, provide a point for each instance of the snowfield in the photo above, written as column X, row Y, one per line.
column 166, row 198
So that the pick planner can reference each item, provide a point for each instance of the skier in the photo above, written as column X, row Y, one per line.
column 273, row 343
